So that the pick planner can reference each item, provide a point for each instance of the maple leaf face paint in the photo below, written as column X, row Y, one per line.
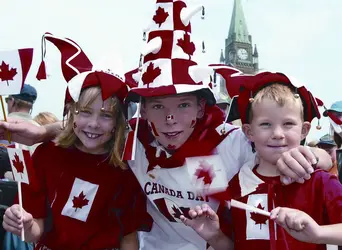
column 172, row 118
column 75, row 125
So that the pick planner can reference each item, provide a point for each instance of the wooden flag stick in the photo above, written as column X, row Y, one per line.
column 21, row 208
column 135, row 138
column 4, row 113
column 244, row 206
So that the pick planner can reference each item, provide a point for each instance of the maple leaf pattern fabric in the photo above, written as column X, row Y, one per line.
column 150, row 74
column 80, row 201
column 206, row 172
column 257, row 225
column 160, row 16
column 187, row 46
column 14, row 67
column 259, row 218
column 7, row 74
column 18, row 164
column 171, row 210
column 77, row 206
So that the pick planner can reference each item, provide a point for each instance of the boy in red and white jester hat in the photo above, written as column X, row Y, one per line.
column 179, row 121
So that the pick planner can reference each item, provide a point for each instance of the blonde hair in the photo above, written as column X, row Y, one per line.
column 44, row 118
column 279, row 93
column 115, row 146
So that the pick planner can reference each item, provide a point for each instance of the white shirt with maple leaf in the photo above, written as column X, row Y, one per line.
column 171, row 194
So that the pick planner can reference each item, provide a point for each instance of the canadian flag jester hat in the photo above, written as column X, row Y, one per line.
column 167, row 60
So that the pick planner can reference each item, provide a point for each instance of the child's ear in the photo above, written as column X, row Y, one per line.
column 201, row 109
column 305, row 130
column 246, row 128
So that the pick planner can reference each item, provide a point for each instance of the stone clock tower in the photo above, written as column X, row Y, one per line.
column 238, row 50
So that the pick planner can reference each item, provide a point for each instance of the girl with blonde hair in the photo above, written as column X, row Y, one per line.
column 95, row 201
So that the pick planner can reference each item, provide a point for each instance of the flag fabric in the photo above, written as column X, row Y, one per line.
column 14, row 67
column 208, row 174
column 21, row 162
column 80, row 200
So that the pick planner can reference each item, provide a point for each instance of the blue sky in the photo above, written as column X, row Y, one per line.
column 300, row 38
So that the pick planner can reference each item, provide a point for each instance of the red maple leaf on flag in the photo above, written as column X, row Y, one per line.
column 80, row 201
column 259, row 218
column 187, row 46
column 205, row 171
column 18, row 164
column 160, row 16
column 7, row 74
column 150, row 74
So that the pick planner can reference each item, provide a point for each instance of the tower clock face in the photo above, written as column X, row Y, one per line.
column 242, row 54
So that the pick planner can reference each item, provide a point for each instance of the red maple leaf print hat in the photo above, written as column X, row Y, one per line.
column 79, row 72
column 167, row 62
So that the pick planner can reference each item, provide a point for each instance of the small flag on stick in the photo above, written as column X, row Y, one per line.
column 20, row 160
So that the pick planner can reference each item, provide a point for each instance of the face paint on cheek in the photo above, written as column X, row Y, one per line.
column 171, row 146
column 75, row 125
column 193, row 123
column 154, row 130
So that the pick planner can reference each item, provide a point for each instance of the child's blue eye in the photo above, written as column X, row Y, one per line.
column 84, row 111
column 289, row 124
column 107, row 115
column 158, row 106
column 265, row 124
column 184, row 105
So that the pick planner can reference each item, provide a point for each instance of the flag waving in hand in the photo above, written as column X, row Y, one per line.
column 14, row 67
column 19, row 159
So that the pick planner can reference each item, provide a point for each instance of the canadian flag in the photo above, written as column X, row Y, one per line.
column 20, row 160
column 80, row 200
column 14, row 67
column 208, row 174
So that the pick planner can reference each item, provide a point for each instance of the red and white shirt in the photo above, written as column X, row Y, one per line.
column 92, row 204
column 320, row 197
column 170, row 192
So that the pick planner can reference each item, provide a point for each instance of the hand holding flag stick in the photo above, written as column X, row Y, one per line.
column 19, row 159
column 244, row 206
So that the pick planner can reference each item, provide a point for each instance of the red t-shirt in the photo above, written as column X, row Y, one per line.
column 92, row 204
column 320, row 197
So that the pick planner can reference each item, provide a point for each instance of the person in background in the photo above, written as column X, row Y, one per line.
column 44, row 118
column 328, row 144
column 20, row 106
column 335, row 118
column 313, row 143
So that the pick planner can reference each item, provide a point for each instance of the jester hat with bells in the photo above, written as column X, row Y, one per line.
column 79, row 73
column 250, row 85
column 167, row 65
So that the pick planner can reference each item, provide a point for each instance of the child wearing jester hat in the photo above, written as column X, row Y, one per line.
column 179, row 120
column 95, row 202
column 276, row 119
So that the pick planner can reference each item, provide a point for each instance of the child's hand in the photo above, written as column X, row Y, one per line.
column 297, row 223
column 204, row 221
column 14, row 222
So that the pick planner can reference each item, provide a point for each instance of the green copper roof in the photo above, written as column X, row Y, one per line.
column 238, row 31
